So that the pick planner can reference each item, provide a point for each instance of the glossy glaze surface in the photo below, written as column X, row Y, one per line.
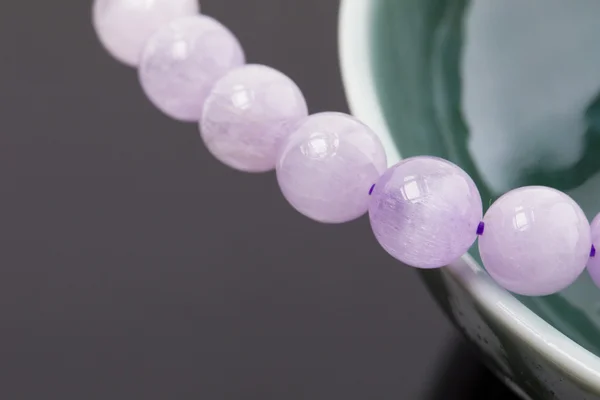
column 429, row 115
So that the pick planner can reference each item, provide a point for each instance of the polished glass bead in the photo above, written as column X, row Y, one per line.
column 328, row 164
column 247, row 114
column 182, row 61
column 537, row 241
column 425, row 212
column 124, row 26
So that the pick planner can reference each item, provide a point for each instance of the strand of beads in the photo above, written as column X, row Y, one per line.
column 424, row 211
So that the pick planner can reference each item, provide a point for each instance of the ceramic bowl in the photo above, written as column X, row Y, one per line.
column 508, row 90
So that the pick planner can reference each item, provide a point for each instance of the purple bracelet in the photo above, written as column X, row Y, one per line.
column 424, row 211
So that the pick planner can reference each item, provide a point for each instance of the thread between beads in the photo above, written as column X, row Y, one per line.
column 480, row 228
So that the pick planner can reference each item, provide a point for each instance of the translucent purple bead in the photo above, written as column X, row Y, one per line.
column 536, row 242
column 123, row 26
column 246, row 115
column 327, row 165
column 182, row 61
column 593, row 265
column 425, row 212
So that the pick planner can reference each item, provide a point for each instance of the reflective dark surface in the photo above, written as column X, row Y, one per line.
column 135, row 266
column 460, row 376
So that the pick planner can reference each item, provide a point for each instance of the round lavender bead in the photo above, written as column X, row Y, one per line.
column 425, row 212
column 182, row 61
column 123, row 26
column 536, row 242
column 327, row 165
column 246, row 115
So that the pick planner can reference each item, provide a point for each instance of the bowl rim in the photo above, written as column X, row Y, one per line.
column 357, row 77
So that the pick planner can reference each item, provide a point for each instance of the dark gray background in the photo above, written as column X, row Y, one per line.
column 135, row 266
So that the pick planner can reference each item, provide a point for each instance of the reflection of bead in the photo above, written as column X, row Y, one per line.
column 593, row 265
column 247, row 114
column 425, row 212
column 123, row 26
column 537, row 241
column 181, row 62
column 327, row 165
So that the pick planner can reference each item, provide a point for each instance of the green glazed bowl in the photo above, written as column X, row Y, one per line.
column 508, row 90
